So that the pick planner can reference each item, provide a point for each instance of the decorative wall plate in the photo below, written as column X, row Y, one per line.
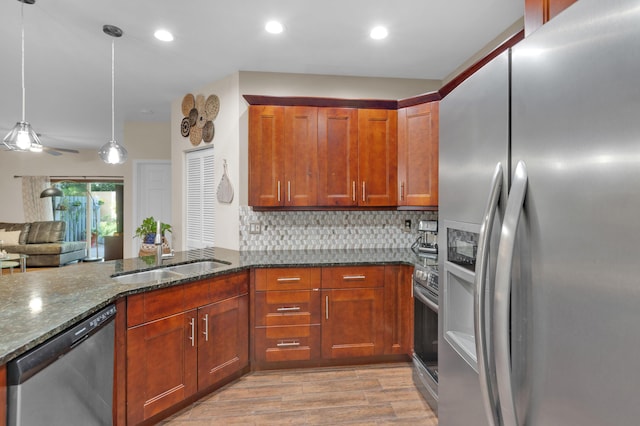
column 212, row 107
column 185, row 127
column 208, row 131
column 188, row 103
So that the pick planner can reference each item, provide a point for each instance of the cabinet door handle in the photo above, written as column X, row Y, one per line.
column 285, row 344
column 288, row 279
column 289, row 190
column 402, row 191
column 354, row 277
column 288, row 308
column 278, row 191
column 353, row 191
column 206, row 327
column 192, row 323
column 326, row 307
column 364, row 190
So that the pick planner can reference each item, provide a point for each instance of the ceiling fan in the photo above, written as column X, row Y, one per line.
column 48, row 149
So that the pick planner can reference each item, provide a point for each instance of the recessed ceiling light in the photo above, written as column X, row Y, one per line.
column 378, row 33
column 163, row 35
column 274, row 27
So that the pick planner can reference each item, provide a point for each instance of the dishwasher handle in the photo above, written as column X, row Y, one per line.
column 25, row 366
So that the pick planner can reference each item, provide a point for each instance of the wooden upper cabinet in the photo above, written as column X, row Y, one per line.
column 539, row 12
column 418, row 155
column 283, row 156
column 377, row 157
column 301, row 156
column 337, row 156
column 266, row 155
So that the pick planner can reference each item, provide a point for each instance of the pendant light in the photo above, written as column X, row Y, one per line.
column 112, row 152
column 22, row 137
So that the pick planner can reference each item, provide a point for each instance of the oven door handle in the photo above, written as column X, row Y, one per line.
column 483, row 333
column 421, row 294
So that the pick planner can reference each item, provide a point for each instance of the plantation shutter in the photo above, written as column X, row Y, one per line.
column 200, row 194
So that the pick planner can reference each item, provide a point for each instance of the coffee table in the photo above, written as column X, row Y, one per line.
column 9, row 261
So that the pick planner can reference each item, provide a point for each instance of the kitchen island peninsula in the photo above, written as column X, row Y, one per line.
column 38, row 305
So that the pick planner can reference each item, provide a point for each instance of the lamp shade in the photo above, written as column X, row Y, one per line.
column 113, row 153
column 52, row 191
column 22, row 138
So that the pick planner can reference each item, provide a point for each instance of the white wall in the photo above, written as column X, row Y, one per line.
column 225, row 145
column 148, row 140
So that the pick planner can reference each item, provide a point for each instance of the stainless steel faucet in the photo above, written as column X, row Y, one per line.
column 158, row 243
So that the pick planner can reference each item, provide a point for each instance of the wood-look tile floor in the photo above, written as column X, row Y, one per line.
column 361, row 395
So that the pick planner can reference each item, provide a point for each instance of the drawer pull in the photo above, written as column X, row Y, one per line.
column 288, row 308
column 288, row 279
column 289, row 343
column 354, row 277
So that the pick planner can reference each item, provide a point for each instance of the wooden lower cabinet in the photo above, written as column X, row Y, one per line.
column 161, row 365
column 352, row 311
column 398, row 310
column 183, row 340
column 331, row 315
column 287, row 316
column 223, row 340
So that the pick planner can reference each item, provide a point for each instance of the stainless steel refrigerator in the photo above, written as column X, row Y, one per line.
column 540, row 228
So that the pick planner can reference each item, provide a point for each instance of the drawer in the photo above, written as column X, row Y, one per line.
column 291, row 343
column 287, row 307
column 352, row 276
column 287, row 278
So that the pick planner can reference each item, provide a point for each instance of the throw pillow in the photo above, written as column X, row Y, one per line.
column 10, row 238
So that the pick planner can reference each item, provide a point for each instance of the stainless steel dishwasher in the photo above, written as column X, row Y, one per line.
column 68, row 380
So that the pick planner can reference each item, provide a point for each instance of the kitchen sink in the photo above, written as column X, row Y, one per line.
column 147, row 276
column 197, row 267
column 170, row 272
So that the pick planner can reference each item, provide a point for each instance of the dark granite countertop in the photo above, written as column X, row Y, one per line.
column 37, row 305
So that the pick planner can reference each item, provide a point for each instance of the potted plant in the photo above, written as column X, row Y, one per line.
column 147, row 230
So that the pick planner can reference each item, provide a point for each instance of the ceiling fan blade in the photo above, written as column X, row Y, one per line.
column 73, row 151
column 51, row 151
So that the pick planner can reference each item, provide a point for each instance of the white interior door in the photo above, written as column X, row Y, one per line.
column 153, row 194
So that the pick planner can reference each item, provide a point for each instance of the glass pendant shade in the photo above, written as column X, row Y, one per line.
column 113, row 153
column 22, row 138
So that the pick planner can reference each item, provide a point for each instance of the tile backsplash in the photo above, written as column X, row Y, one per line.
column 317, row 230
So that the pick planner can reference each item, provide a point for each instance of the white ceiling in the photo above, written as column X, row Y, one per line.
column 68, row 57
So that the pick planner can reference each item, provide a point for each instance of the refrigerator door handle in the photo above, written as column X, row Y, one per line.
column 483, row 334
column 502, row 294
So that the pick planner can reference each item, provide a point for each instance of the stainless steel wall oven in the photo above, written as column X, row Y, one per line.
column 425, row 341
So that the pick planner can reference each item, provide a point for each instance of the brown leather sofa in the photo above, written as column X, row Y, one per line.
column 44, row 243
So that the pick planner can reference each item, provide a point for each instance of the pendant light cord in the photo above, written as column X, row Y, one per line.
column 22, row 51
column 113, row 90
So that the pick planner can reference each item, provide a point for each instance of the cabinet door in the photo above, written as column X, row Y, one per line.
column 377, row 157
column 418, row 155
column 539, row 12
column 301, row 156
column 398, row 310
column 223, row 340
column 353, row 324
column 337, row 157
column 266, row 155
column 161, row 365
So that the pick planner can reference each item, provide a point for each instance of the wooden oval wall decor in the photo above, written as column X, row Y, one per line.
column 198, row 116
